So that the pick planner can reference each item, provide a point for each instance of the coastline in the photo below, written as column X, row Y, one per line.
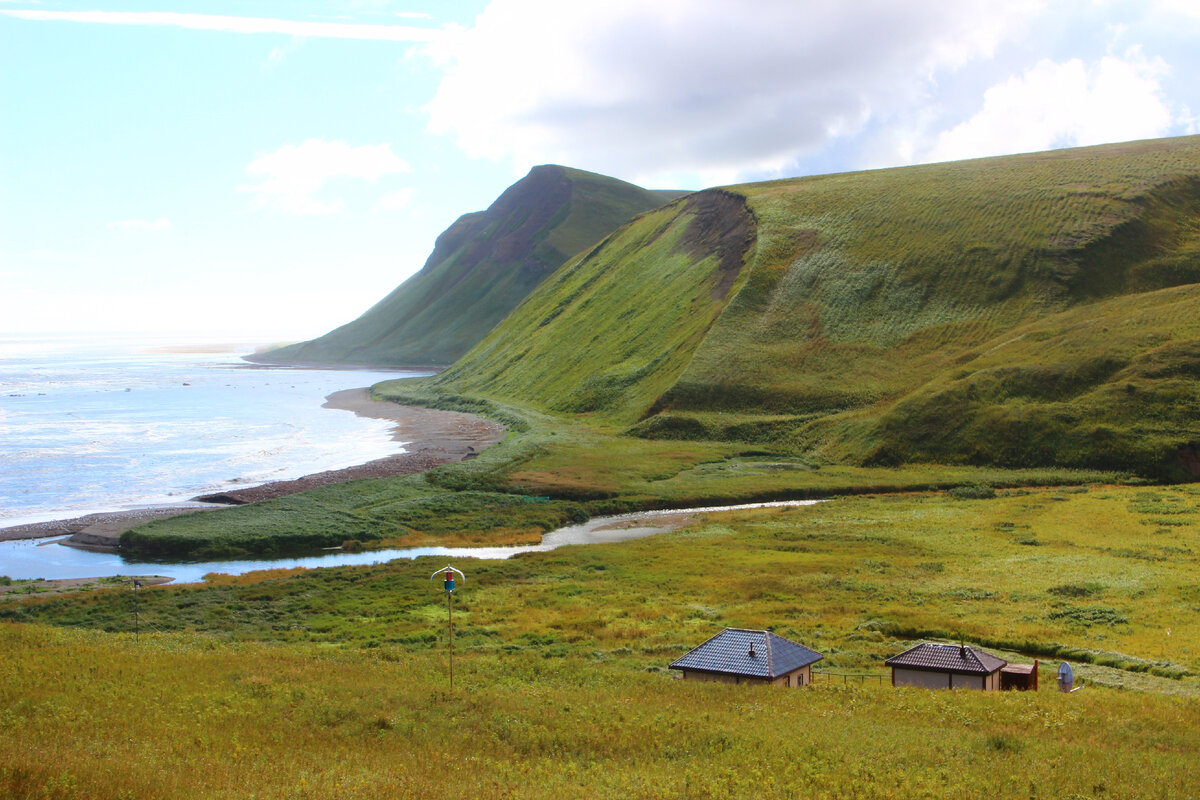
column 431, row 438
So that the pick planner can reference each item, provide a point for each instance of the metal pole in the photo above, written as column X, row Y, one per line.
column 449, row 587
column 450, row 616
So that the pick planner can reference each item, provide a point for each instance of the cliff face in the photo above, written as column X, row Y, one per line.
column 481, row 267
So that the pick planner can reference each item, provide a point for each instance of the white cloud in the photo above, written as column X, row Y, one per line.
column 396, row 201
column 229, row 24
column 643, row 89
column 292, row 176
column 1065, row 105
column 159, row 224
column 1185, row 8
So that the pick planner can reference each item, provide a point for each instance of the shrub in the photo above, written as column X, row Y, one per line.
column 1090, row 615
column 1072, row 590
column 973, row 491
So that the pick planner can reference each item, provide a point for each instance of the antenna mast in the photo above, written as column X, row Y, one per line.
column 448, row 585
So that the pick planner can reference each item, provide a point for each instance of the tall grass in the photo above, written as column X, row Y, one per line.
column 333, row 683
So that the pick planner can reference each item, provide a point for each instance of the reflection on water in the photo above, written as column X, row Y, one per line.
column 47, row 559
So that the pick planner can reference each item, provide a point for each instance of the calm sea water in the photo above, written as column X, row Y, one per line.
column 108, row 425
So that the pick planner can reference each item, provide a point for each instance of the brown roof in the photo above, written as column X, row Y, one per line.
column 947, row 658
column 1018, row 669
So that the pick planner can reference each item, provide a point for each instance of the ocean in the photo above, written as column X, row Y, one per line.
column 117, row 424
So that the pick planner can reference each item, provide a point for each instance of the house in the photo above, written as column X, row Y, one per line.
column 946, row 666
column 737, row 655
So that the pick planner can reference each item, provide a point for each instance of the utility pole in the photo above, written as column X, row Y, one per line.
column 448, row 586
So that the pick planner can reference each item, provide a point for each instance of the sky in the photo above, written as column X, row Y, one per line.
column 268, row 169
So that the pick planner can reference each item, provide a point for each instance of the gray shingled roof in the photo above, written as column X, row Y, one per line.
column 729, row 652
column 947, row 658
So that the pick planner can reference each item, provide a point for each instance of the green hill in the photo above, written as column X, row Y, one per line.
column 481, row 267
column 1018, row 311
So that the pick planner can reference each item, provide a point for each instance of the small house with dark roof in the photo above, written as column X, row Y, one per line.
column 946, row 666
column 737, row 655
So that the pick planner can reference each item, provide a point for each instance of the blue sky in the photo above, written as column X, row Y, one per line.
column 268, row 170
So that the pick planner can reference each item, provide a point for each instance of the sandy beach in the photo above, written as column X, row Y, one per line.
column 432, row 438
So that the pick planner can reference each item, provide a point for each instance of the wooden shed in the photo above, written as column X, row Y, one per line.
column 946, row 666
column 1022, row 677
column 738, row 655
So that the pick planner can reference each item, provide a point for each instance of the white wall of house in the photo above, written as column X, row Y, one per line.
column 712, row 677
column 799, row 677
column 920, row 677
column 945, row 680
column 960, row 681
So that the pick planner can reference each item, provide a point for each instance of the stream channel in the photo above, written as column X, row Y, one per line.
column 49, row 559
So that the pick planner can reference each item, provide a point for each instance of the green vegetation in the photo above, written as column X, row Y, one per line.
column 1021, row 311
column 481, row 267
column 332, row 682
column 844, row 574
column 547, row 473
column 613, row 329
column 407, row 511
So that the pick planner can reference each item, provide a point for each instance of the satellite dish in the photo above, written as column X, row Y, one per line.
column 1066, row 677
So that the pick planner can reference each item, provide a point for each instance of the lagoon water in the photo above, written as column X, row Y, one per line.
column 113, row 425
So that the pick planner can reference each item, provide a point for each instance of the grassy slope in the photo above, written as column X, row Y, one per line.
column 481, row 267
column 860, row 289
column 1111, row 383
column 615, row 327
column 332, row 682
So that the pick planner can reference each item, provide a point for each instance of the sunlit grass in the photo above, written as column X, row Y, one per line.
column 1097, row 575
column 333, row 682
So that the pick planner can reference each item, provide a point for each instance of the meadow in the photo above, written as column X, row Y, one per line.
column 333, row 682
column 550, row 471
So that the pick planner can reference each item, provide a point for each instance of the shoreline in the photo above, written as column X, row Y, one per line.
column 431, row 439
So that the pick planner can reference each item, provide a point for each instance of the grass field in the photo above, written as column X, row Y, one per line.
column 333, row 682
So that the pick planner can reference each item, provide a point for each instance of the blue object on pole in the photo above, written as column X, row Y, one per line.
column 449, row 577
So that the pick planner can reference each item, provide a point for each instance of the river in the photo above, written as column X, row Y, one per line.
column 49, row 559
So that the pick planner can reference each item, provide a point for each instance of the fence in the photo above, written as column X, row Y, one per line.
column 831, row 677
